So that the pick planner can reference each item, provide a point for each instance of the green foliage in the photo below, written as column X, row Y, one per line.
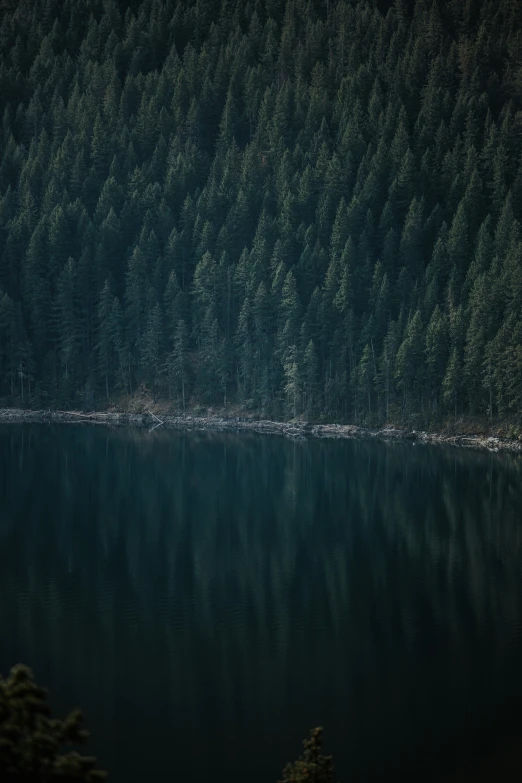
column 32, row 743
column 312, row 766
column 308, row 209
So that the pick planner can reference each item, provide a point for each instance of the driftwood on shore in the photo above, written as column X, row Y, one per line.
column 299, row 430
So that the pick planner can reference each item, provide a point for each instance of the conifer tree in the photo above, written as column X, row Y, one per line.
column 104, row 344
column 32, row 742
column 312, row 765
column 452, row 382
column 177, row 363
column 152, row 347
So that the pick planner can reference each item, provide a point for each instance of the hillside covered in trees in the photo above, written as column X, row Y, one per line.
column 308, row 207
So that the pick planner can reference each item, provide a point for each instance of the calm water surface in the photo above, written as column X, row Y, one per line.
column 208, row 598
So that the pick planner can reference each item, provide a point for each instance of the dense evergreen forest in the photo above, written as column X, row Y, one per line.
column 308, row 207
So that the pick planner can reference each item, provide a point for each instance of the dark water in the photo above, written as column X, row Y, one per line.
column 208, row 599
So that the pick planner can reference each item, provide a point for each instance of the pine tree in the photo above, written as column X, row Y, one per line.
column 437, row 345
column 312, row 765
column 310, row 375
column 177, row 363
column 387, row 366
column 458, row 243
column 212, row 378
column 365, row 377
column 104, row 344
column 452, row 382
column 8, row 343
column 245, row 350
column 289, row 315
column 120, row 346
column 152, row 347
column 68, row 326
column 32, row 742
column 410, row 361
column 135, row 302
column 293, row 381
column 475, row 342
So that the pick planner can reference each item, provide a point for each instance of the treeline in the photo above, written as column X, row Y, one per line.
column 303, row 208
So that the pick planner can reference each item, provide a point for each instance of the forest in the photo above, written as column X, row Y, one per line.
column 308, row 208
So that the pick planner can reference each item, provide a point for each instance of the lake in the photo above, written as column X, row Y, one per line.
column 208, row 598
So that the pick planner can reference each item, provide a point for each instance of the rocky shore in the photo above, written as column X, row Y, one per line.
column 297, row 430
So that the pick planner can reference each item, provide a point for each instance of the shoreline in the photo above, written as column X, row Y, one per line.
column 296, row 430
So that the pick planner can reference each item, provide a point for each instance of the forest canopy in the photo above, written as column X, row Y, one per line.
column 304, row 208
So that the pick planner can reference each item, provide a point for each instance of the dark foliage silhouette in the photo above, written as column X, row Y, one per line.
column 32, row 742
